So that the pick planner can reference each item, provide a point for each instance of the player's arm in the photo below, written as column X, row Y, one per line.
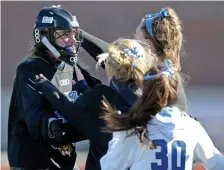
column 206, row 152
column 91, row 81
column 81, row 114
column 83, row 80
column 80, row 82
column 120, row 153
column 36, row 119
column 80, row 86
column 93, row 45
column 72, row 134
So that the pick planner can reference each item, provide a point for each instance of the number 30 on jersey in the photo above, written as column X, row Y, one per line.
column 178, row 155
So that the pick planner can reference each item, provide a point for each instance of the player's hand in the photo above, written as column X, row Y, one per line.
column 40, row 79
column 39, row 76
column 56, row 129
column 73, row 82
column 33, row 83
column 79, row 74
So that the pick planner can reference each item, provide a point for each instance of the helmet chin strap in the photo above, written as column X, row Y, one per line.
column 50, row 47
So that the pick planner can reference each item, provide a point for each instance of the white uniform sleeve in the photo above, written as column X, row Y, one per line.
column 206, row 152
column 119, row 154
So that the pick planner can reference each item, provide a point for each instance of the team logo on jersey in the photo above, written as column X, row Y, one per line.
column 72, row 95
column 64, row 82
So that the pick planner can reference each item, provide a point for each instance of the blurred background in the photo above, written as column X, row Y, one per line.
column 202, row 60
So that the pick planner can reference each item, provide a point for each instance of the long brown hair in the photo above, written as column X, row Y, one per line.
column 157, row 94
column 168, row 35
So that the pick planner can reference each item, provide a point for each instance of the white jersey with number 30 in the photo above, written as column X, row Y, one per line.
column 180, row 141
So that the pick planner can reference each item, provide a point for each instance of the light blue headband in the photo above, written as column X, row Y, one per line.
column 167, row 70
column 150, row 18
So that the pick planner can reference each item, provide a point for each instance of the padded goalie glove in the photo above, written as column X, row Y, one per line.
column 55, row 128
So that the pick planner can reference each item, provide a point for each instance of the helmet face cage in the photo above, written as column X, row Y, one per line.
column 77, row 41
column 69, row 53
column 47, row 25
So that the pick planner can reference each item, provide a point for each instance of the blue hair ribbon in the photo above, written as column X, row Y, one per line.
column 167, row 70
column 132, row 53
column 150, row 18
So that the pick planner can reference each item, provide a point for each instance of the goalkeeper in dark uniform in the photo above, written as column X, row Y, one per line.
column 34, row 130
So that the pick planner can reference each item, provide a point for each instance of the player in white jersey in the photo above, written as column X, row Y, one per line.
column 156, row 135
